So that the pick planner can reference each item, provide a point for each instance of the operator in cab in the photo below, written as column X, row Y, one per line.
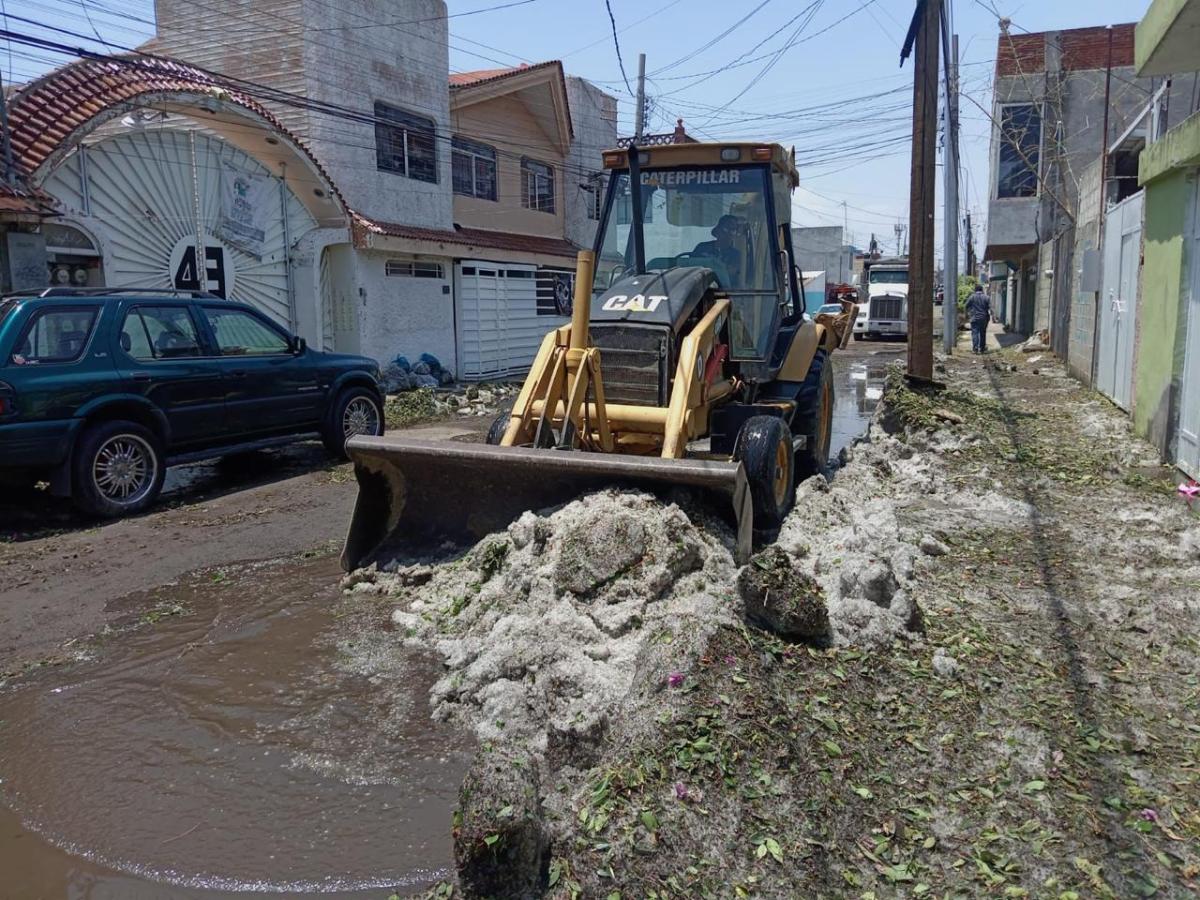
column 723, row 248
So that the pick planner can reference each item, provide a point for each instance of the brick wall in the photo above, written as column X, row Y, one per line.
column 1019, row 54
column 1087, row 48
column 1081, row 49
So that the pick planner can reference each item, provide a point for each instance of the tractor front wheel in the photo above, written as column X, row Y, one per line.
column 764, row 447
column 814, row 418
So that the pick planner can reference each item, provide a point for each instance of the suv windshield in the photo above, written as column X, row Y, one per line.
column 713, row 217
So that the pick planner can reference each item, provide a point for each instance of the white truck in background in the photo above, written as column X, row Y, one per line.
column 883, row 298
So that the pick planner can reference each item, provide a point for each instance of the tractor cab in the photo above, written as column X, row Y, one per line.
column 719, row 210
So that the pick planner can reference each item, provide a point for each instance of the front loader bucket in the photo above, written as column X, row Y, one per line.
column 410, row 491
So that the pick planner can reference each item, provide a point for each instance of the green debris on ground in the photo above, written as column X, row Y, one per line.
column 411, row 408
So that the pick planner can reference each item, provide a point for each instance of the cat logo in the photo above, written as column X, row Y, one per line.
column 638, row 303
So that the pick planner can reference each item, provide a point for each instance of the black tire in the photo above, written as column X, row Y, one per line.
column 764, row 447
column 814, row 417
column 499, row 425
column 117, row 469
column 344, row 420
column 858, row 335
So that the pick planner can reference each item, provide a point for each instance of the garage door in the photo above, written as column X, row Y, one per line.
column 146, row 194
column 503, row 311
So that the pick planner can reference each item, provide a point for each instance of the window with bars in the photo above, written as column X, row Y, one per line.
column 537, row 186
column 405, row 144
column 474, row 166
column 411, row 268
column 595, row 200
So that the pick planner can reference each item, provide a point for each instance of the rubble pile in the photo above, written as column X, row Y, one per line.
column 547, row 627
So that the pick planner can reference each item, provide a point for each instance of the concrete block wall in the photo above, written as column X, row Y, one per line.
column 347, row 55
column 594, row 120
column 1083, row 304
column 258, row 40
column 349, row 65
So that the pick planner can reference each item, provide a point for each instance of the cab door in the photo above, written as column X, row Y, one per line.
column 160, row 356
column 270, row 388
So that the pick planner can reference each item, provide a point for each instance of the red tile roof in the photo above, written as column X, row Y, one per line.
column 466, row 237
column 479, row 76
column 25, row 200
column 47, row 113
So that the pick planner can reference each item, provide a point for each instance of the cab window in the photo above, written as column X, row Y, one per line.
column 55, row 335
column 159, row 332
column 239, row 333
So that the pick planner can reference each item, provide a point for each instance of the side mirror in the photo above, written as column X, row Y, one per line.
column 299, row 345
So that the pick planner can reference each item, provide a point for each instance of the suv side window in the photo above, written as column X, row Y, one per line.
column 159, row 332
column 238, row 333
column 55, row 335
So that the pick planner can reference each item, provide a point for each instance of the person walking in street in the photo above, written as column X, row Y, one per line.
column 979, row 313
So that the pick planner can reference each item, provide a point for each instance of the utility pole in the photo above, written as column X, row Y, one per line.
column 972, row 269
column 640, row 120
column 6, row 140
column 922, row 192
column 950, row 165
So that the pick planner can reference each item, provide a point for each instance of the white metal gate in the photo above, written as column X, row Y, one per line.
column 1188, row 447
column 146, row 194
column 499, row 328
column 1118, row 300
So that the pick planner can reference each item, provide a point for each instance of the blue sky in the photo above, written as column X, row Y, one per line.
column 822, row 76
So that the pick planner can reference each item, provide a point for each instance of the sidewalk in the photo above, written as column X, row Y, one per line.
column 997, row 339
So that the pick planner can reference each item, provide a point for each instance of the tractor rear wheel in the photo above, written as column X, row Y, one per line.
column 764, row 447
column 814, row 418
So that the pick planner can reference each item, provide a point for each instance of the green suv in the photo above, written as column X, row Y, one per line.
column 102, row 389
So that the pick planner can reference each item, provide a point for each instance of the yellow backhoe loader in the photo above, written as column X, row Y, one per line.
column 689, row 361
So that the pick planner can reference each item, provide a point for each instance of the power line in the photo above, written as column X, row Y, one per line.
column 617, row 44
column 724, row 34
column 262, row 92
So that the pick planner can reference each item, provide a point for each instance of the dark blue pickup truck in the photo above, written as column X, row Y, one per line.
column 102, row 389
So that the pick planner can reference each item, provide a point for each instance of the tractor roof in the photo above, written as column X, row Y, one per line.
column 663, row 156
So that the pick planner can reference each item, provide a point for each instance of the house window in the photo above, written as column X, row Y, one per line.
column 474, row 166
column 537, row 186
column 401, row 268
column 1020, row 146
column 405, row 144
column 595, row 200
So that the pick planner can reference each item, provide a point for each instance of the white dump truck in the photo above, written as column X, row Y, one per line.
column 883, row 303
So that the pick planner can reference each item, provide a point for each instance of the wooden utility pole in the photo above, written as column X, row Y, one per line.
column 971, row 269
column 923, row 191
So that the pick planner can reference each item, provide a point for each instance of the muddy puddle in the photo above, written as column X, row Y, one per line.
column 223, row 749
column 859, row 375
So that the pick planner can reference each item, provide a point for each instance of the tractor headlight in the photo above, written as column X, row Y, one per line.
column 699, row 366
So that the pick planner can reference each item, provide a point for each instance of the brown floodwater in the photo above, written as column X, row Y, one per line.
column 228, row 750
column 859, row 375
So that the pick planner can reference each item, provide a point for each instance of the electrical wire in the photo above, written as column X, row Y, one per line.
column 617, row 44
